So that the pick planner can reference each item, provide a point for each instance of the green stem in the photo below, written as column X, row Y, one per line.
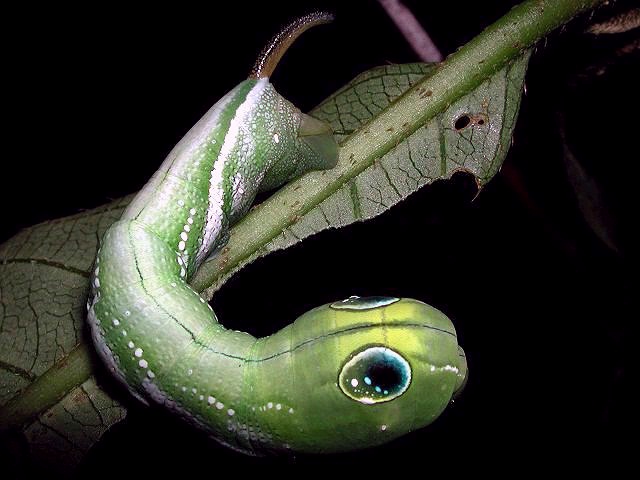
column 461, row 72
column 49, row 388
column 499, row 44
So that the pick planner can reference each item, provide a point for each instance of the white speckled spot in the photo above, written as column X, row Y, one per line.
column 131, row 344
column 190, row 221
column 184, row 236
column 124, row 332
column 174, row 284
column 116, row 322
column 187, row 228
column 231, row 412
column 354, row 382
column 211, row 400
column 150, row 374
column 181, row 203
column 143, row 363
column 383, row 427
column 190, row 372
column 270, row 405
column 183, row 272
column 433, row 368
column 192, row 211
column 194, row 390
column 291, row 410
column 138, row 352
column 127, row 313
column 96, row 282
column 181, row 245
column 278, row 406
column 276, row 138
column 184, row 389
column 219, row 405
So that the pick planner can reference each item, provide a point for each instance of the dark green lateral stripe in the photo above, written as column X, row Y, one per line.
column 314, row 339
column 351, row 330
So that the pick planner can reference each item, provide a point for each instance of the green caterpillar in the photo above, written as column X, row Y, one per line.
column 343, row 376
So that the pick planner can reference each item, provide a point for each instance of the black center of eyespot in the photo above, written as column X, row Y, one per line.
column 374, row 375
column 385, row 376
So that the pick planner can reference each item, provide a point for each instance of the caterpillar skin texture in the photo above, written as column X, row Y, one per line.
column 343, row 376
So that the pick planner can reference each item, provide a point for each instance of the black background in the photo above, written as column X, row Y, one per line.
column 96, row 98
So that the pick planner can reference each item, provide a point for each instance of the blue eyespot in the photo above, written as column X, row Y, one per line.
column 375, row 375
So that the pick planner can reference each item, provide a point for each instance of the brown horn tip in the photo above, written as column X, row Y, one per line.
column 275, row 49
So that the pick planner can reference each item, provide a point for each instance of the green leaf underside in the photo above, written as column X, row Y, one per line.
column 44, row 272
column 73, row 425
column 434, row 152
column 44, row 269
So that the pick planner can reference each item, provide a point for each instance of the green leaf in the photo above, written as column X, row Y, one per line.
column 45, row 376
column 72, row 426
column 473, row 135
column 44, row 273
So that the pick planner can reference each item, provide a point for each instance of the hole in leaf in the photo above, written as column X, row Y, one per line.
column 467, row 120
column 462, row 122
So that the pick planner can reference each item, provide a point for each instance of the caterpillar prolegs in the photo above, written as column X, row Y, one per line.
column 343, row 376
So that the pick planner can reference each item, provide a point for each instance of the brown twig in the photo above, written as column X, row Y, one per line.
column 412, row 31
column 619, row 24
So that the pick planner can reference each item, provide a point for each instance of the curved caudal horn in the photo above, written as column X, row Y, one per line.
column 275, row 49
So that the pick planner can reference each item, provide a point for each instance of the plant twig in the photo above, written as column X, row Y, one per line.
column 413, row 32
column 619, row 24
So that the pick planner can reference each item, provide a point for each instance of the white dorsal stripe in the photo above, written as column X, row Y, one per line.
column 198, row 135
column 181, row 153
column 214, row 221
